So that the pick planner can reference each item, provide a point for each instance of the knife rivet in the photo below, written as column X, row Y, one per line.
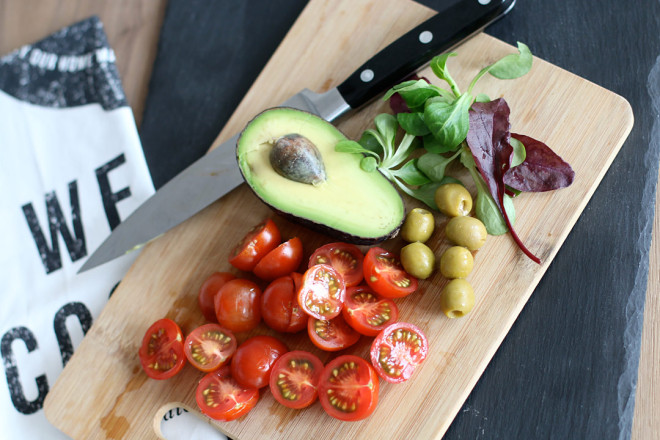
column 484, row 2
column 425, row 37
column 367, row 75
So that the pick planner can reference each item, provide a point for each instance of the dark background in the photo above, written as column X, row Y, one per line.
column 568, row 368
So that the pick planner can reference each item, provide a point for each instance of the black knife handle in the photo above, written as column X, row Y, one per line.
column 416, row 48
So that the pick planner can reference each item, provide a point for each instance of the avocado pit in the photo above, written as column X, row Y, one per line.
column 295, row 157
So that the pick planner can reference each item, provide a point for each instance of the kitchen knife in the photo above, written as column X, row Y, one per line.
column 217, row 173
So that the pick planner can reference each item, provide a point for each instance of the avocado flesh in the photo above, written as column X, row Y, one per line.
column 351, row 204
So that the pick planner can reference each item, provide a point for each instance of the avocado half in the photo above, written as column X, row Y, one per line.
column 350, row 204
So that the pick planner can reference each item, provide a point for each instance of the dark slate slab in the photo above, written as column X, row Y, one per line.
column 568, row 368
column 209, row 54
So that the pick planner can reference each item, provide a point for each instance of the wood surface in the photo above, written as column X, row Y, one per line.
column 132, row 30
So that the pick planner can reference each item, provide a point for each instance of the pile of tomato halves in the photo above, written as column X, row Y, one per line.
column 341, row 295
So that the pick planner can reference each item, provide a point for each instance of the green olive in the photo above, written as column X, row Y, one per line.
column 418, row 226
column 466, row 231
column 453, row 199
column 456, row 262
column 418, row 260
column 457, row 298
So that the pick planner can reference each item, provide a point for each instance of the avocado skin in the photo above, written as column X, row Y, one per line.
column 320, row 227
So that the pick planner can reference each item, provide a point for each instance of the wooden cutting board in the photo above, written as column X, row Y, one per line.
column 103, row 393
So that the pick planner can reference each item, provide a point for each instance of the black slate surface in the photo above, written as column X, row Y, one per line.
column 568, row 368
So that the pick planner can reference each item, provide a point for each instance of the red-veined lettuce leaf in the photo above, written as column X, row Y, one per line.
column 488, row 140
column 542, row 169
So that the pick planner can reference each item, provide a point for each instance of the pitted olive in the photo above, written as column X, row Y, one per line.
column 466, row 231
column 418, row 226
column 456, row 262
column 418, row 260
column 453, row 199
column 457, row 298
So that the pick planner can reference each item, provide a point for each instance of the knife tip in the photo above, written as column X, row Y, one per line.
column 86, row 266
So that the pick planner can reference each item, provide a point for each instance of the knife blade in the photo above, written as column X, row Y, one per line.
column 217, row 173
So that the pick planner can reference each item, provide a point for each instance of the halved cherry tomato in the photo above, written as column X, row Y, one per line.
column 345, row 257
column 295, row 378
column 322, row 292
column 348, row 388
column 367, row 312
column 238, row 305
column 262, row 239
column 281, row 261
column 254, row 358
column 208, row 290
column 279, row 305
column 331, row 335
column 398, row 350
column 220, row 397
column 161, row 353
column 383, row 273
column 209, row 347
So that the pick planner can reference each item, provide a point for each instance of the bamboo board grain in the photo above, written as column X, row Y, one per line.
column 583, row 122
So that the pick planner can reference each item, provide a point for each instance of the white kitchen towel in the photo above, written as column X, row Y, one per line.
column 71, row 169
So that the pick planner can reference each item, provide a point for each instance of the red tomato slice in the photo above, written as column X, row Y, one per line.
column 208, row 290
column 331, row 335
column 367, row 312
column 254, row 359
column 161, row 353
column 238, row 305
column 262, row 239
column 295, row 377
column 348, row 388
column 383, row 273
column 398, row 350
column 279, row 305
column 209, row 347
column 281, row 261
column 322, row 292
column 220, row 397
column 345, row 257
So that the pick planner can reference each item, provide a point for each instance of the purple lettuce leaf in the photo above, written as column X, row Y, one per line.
column 488, row 141
column 542, row 169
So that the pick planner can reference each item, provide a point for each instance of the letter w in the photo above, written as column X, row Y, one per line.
column 50, row 256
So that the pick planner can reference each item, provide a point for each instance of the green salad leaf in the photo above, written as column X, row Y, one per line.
column 438, row 121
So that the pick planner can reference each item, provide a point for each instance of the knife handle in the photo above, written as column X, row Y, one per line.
column 416, row 48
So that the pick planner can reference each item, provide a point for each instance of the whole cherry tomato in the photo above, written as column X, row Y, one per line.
column 237, row 305
column 254, row 359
